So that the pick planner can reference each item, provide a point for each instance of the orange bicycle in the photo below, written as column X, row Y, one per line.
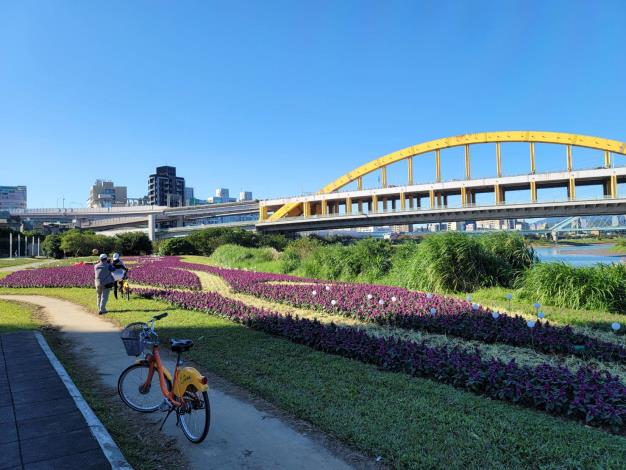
column 148, row 386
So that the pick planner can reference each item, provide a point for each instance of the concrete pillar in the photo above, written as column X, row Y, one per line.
column 152, row 225
column 533, row 191
column 571, row 190
column 374, row 203
column 348, row 205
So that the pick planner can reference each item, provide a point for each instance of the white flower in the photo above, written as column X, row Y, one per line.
column 393, row 299
column 369, row 296
column 495, row 315
column 616, row 326
column 314, row 292
column 327, row 287
column 381, row 302
column 541, row 315
column 530, row 323
column 333, row 302
column 429, row 296
column 433, row 311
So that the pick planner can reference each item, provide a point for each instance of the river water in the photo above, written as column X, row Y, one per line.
column 582, row 255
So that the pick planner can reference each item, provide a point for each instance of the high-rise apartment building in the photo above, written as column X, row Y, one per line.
column 165, row 188
column 12, row 197
column 105, row 194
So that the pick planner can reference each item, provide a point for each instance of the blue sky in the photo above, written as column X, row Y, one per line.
column 282, row 97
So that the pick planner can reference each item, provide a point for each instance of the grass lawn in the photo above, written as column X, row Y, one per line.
column 16, row 316
column 412, row 423
column 7, row 262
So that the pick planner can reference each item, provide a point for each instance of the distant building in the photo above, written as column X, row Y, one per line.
column 165, row 188
column 105, row 194
column 496, row 224
column 189, row 196
column 401, row 228
column 221, row 195
column 12, row 197
column 245, row 196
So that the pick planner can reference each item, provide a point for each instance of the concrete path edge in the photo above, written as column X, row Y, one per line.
column 106, row 442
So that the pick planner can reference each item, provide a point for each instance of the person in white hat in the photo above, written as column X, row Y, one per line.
column 104, row 282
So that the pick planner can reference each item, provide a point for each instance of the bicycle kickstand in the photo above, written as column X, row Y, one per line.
column 169, row 412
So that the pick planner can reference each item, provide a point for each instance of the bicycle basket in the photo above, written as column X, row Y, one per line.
column 133, row 338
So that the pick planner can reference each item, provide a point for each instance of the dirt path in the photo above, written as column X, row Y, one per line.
column 243, row 435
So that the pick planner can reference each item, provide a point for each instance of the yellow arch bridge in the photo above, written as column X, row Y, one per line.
column 334, row 206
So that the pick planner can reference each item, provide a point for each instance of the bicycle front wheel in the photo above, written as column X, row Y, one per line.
column 137, row 392
column 195, row 419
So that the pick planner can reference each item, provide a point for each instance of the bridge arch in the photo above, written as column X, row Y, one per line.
column 569, row 140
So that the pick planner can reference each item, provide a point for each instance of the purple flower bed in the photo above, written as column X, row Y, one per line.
column 402, row 308
column 159, row 272
column 595, row 397
column 63, row 276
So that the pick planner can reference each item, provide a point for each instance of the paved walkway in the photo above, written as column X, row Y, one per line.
column 41, row 426
column 243, row 434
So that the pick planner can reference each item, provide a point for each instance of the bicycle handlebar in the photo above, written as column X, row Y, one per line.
column 160, row 316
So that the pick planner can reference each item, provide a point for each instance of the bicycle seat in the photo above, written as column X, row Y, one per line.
column 180, row 345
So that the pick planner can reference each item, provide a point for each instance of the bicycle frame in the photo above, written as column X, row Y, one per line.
column 183, row 377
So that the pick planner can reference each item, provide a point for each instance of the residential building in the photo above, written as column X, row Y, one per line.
column 165, row 188
column 12, row 197
column 104, row 193
column 245, row 196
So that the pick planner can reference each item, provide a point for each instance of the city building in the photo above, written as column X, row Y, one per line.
column 401, row 228
column 497, row 224
column 221, row 195
column 189, row 198
column 105, row 194
column 245, row 196
column 165, row 188
column 12, row 197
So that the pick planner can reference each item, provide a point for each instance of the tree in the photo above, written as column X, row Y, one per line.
column 133, row 243
column 51, row 246
column 176, row 246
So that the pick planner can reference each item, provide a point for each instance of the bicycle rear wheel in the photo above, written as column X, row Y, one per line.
column 135, row 390
column 196, row 418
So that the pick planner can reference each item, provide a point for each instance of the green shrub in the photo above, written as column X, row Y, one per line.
column 176, row 246
column 133, row 244
column 235, row 256
column 206, row 241
column 595, row 287
column 297, row 253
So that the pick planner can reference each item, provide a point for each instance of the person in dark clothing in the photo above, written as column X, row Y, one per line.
column 118, row 264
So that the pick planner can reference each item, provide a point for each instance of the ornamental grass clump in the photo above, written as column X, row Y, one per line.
column 594, row 397
column 600, row 287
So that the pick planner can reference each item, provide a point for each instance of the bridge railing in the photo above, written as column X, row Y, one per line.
column 442, row 207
